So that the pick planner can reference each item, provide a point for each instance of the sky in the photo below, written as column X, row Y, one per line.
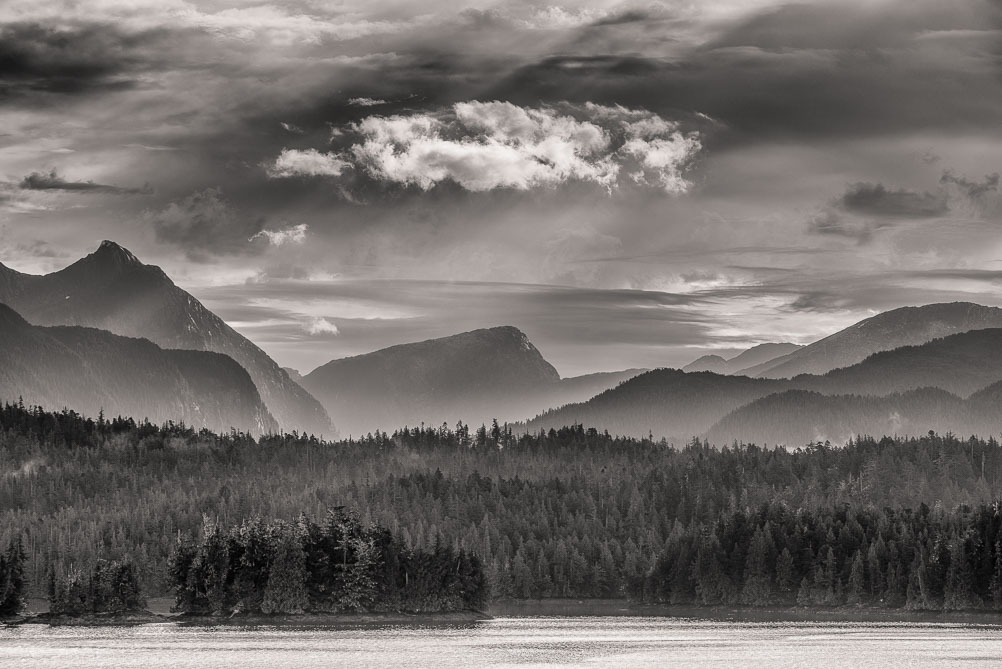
column 633, row 184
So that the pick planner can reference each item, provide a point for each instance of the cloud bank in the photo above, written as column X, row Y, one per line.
column 483, row 146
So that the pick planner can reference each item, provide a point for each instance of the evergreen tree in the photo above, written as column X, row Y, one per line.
column 286, row 589
column 856, row 591
column 959, row 592
column 757, row 589
column 12, row 580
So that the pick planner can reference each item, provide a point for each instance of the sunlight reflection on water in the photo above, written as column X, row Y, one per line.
column 512, row 642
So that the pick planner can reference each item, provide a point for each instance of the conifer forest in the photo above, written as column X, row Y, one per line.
column 446, row 518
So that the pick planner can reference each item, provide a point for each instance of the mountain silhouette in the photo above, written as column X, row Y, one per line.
column 680, row 405
column 473, row 376
column 889, row 330
column 113, row 290
column 756, row 355
column 90, row 370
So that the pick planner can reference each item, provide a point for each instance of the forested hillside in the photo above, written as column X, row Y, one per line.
column 677, row 405
column 798, row 416
column 570, row 512
column 907, row 326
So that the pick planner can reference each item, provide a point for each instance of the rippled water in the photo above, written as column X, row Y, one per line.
column 512, row 642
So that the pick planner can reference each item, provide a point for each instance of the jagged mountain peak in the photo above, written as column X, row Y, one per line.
column 111, row 289
column 111, row 256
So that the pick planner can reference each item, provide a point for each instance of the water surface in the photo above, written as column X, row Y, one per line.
column 513, row 642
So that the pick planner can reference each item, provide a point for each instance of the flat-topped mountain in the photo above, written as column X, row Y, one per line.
column 892, row 329
column 112, row 290
column 91, row 370
column 473, row 376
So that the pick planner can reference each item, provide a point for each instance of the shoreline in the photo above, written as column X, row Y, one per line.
column 545, row 608
column 624, row 608
column 145, row 617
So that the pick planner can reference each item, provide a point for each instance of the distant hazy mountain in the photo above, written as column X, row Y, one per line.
column 90, row 370
column 798, row 417
column 889, row 330
column 474, row 376
column 662, row 402
column 756, row 355
column 112, row 290
column 679, row 405
column 708, row 363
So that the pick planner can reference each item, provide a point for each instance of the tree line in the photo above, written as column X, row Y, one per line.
column 927, row 559
column 572, row 512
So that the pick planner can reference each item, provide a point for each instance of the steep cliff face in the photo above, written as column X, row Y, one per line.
column 112, row 290
column 91, row 370
column 474, row 376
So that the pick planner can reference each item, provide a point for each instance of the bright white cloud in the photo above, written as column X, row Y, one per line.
column 366, row 102
column 321, row 326
column 308, row 163
column 292, row 235
column 483, row 146
column 556, row 17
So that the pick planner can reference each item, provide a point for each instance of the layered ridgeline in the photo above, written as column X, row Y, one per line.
column 753, row 357
column 93, row 370
column 679, row 405
column 907, row 326
column 474, row 377
column 796, row 417
column 112, row 290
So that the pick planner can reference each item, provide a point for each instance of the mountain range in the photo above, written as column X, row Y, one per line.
column 112, row 290
column 678, row 405
column 111, row 333
column 91, row 370
column 906, row 326
column 753, row 357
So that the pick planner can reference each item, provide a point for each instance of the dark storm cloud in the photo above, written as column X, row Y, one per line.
column 68, row 59
column 830, row 221
column 53, row 181
column 875, row 199
column 205, row 224
column 972, row 189
column 819, row 70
